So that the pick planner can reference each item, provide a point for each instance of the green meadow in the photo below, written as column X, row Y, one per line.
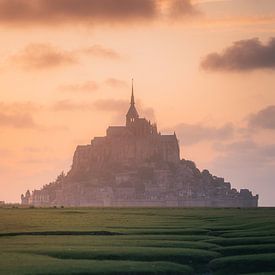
column 137, row 241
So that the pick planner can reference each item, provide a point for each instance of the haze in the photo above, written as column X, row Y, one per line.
column 204, row 69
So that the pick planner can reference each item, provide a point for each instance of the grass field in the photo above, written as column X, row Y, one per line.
column 137, row 241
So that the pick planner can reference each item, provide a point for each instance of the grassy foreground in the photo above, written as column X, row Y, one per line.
column 137, row 241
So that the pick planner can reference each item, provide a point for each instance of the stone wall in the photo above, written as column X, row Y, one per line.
column 126, row 151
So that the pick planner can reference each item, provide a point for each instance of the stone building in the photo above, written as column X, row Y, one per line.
column 135, row 165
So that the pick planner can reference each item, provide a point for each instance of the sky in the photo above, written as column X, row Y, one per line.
column 203, row 68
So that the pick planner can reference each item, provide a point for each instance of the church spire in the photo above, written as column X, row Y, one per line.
column 132, row 113
column 132, row 97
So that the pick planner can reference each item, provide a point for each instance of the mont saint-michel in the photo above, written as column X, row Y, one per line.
column 136, row 165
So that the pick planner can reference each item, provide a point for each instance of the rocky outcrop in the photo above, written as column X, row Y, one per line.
column 151, row 184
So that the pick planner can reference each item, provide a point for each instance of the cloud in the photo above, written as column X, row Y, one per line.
column 248, row 164
column 190, row 134
column 120, row 108
column 42, row 56
column 111, row 105
column 20, row 107
column 116, row 83
column 18, row 114
column 264, row 119
column 88, row 86
column 106, row 105
column 92, row 86
column 5, row 152
column 178, row 8
column 100, row 51
column 147, row 112
column 249, row 161
column 52, row 12
column 37, row 56
column 262, row 153
column 17, row 120
column 209, row 1
column 243, row 55
column 68, row 105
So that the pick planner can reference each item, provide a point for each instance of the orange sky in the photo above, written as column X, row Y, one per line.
column 66, row 68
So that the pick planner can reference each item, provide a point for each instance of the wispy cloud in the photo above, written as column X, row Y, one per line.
column 120, row 107
column 39, row 56
column 88, row 86
column 18, row 114
column 116, row 83
column 70, row 105
column 91, row 86
column 100, row 51
column 17, row 120
column 190, row 134
column 43, row 56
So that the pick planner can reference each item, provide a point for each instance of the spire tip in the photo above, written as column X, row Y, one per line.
column 132, row 97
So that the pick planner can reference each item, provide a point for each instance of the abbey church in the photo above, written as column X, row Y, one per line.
column 135, row 165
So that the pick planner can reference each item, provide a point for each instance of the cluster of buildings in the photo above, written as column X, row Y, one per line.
column 135, row 165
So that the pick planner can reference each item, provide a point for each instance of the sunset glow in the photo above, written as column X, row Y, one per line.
column 204, row 69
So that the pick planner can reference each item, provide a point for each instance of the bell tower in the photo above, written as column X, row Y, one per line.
column 132, row 113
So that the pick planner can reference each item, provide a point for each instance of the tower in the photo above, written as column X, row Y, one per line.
column 132, row 113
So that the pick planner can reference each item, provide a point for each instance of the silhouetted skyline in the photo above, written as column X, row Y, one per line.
column 203, row 68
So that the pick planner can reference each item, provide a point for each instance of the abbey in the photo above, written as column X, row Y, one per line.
column 131, row 145
column 135, row 165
